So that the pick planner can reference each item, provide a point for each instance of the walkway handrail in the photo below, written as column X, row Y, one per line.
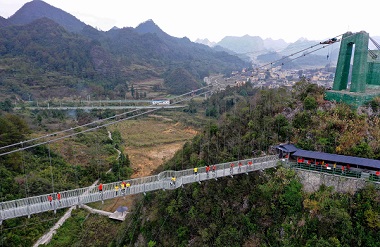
column 162, row 181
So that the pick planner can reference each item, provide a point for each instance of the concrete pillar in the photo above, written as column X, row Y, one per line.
column 359, row 67
column 360, row 63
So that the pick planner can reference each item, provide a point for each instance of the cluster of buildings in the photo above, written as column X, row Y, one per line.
column 278, row 77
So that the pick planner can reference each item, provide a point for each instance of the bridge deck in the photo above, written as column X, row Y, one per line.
column 162, row 181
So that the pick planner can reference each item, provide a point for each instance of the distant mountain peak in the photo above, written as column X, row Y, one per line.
column 4, row 22
column 205, row 42
column 37, row 9
column 149, row 27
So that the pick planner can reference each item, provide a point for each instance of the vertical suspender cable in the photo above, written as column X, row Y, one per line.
column 97, row 152
column 76, row 170
column 234, row 119
column 23, row 166
column 209, row 139
column 51, row 168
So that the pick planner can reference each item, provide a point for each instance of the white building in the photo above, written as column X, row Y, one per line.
column 160, row 102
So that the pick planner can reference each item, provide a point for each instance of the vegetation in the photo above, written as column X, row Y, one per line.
column 257, row 210
column 42, row 59
column 180, row 81
column 58, row 166
column 85, row 229
column 265, row 208
column 262, row 209
column 24, row 231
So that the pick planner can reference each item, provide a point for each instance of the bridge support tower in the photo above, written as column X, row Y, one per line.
column 358, row 83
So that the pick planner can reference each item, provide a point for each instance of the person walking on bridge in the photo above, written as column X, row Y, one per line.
column 207, row 169
column 116, row 189
column 50, row 199
column 250, row 165
column 123, row 185
column 59, row 197
column 128, row 185
column 100, row 188
column 232, row 168
column 214, row 170
column 173, row 181
column 195, row 171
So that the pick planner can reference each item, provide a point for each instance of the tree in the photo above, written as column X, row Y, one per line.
column 310, row 103
column 132, row 91
column 6, row 105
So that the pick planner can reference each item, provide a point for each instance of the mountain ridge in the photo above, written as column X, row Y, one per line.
column 36, row 9
column 93, row 61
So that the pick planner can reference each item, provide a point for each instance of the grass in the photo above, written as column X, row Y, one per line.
column 85, row 229
column 152, row 131
column 149, row 140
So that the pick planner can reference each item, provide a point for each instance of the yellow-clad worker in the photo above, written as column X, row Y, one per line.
column 116, row 189
column 195, row 170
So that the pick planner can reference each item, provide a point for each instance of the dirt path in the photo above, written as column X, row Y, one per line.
column 145, row 160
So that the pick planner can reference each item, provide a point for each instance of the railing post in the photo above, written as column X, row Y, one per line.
column 1, row 213
column 27, row 208
column 78, row 197
column 161, row 181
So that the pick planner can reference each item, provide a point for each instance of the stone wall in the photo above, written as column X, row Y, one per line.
column 312, row 180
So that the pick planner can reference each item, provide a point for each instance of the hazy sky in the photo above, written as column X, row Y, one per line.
column 289, row 20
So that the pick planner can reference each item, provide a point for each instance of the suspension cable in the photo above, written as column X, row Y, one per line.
column 307, row 53
column 51, row 168
column 375, row 43
column 304, row 54
column 26, row 176
column 372, row 54
column 99, row 126
column 87, row 124
column 271, row 63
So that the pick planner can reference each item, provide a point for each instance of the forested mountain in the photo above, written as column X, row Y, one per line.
column 43, row 58
column 245, row 44
column 275, row 45
column 265, row 208
column 37, row 9
column 50, row 53
column 4, row 22
column 261, row 50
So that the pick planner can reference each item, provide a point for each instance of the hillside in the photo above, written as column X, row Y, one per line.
column 264, row 208
column 41, row 57
column 245, row 44
column 38, row 9
column 4, row 22
column 260, row 50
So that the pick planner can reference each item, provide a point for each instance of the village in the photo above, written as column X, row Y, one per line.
column 276, row 77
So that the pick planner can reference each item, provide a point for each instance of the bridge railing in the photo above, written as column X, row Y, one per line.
column 38, row 204
column 353, row 172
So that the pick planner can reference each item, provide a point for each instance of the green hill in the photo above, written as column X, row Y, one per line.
column 43, row 60
column 265, row 208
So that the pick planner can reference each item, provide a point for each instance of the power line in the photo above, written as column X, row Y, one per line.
column 84, row 125
column 303, row 50
column 99, row 126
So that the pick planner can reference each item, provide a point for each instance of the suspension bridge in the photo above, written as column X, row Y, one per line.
column 162, row 181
